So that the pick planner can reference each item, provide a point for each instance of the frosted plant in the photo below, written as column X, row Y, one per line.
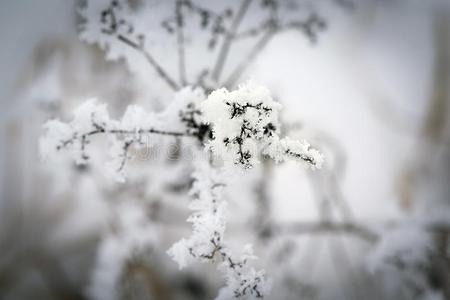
column 123, row 29
column 207, row 240
column 245, row 123
column 92, row 119
column 240, row 127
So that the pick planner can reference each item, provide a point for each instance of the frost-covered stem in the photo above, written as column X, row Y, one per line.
column 151, row 131
column 124, row 155
column 220, row 250
column 310, row 27
column 206, row 243
column 233, row 265
column 245, row 122
column 109, row 15
column 248, row 59
column 84, row 141
column 229, row 36
column 180, row 41
column 352, row 228
column 246, row 287
column 305, row 157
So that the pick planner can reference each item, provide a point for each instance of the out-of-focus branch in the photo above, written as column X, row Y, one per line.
column 248, row 59
column 350, row 228
column 223, row 53
column 109, row 18
column 99, row 129
column 437, row 116
column 263, row 217
column 158, row 68
column 180, row 41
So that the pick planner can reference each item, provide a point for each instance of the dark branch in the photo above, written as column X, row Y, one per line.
column 308, row 159
column 131, row 136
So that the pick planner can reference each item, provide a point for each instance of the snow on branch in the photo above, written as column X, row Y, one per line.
column 180, row 119
column 133, row 234
column 116, row 25
column 206, row 244
column 245, row 123
column 122, row 29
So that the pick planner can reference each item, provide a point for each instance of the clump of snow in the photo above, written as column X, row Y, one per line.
column 245, row 124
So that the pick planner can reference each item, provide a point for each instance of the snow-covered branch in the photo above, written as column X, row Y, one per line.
column 91, row 119
column 245, row 123
column 115, row 22
column 206, row 244
column 121, row 31
column 245, row 126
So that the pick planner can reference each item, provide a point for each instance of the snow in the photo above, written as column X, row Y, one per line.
column 92, row 118
column 207, row 244
column 245, row 122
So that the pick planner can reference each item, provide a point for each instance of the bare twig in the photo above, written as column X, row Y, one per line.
column 158, row 68
column 109, row 18
column 180, row 41
column 84, row 141
column 246, row 62
column 224, row 50
column 327, row 227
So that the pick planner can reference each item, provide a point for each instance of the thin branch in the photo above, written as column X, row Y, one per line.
column 126, row 146
column 224, row 50
column 327, row 227
column 180, row 41
column 310, row 27
column 161, row 72
column 109, row 18
column 247, row 61
column 99, row 129
column 151, row 131
column 352, row 228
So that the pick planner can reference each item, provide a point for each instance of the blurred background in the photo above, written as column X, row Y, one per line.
column 367, row 82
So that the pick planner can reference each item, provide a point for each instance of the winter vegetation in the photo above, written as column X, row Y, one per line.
column 177, row 156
